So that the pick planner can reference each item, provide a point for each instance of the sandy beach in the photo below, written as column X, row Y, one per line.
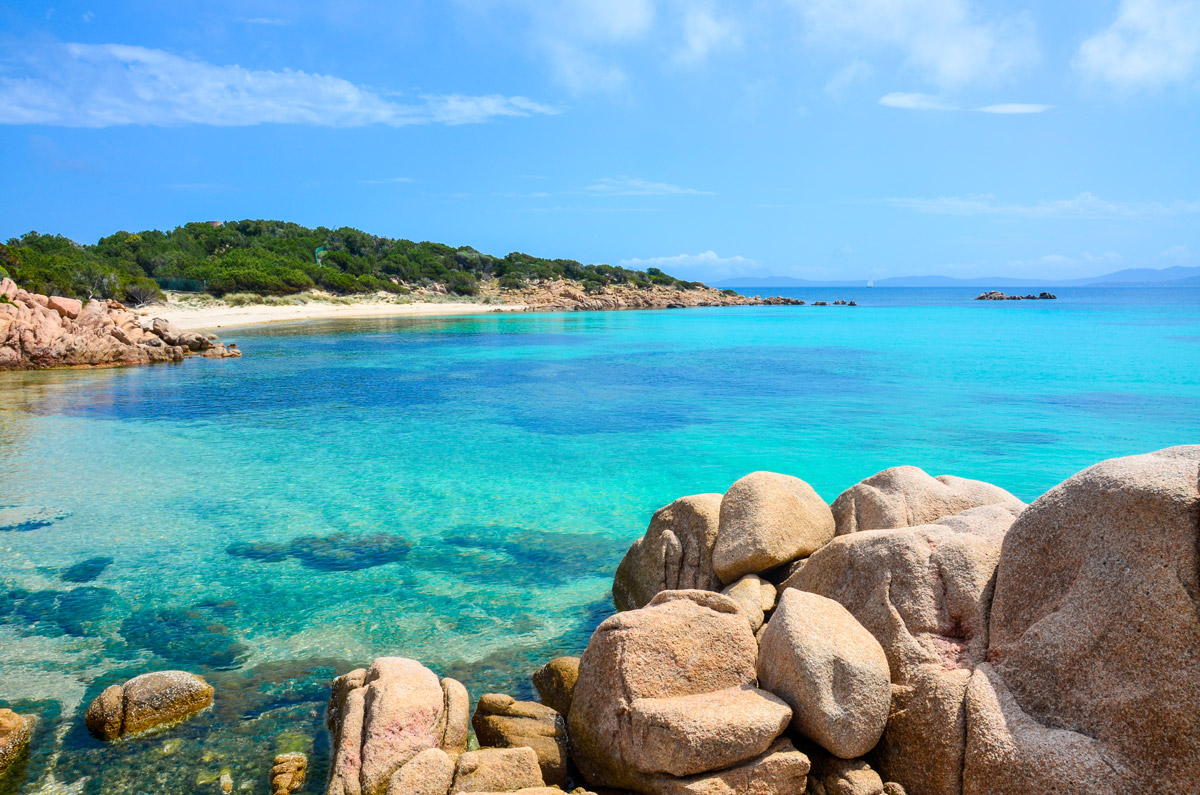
column 221, row 316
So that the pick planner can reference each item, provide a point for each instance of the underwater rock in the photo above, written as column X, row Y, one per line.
column 184, row 637
column 145, row 702
column 77, row 612
column 23, row 518
column 86, row 570
column 334, row 552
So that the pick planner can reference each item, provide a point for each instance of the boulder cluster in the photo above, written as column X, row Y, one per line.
column 996, row 295
column 38, row 331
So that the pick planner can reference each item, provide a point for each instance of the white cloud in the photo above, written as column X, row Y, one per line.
column 634, row 186
column 105, row 85
column 704, row 32
column 1014, row 108
column 898, row 99
column 1085, row 205
column 706, row 266
column 1151, row 43
column 942, row 40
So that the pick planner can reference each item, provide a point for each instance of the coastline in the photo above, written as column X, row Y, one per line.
column 224, row 316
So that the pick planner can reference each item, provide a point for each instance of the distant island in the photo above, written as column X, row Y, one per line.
column 1176, row 276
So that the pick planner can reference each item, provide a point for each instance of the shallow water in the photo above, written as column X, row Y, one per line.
column 460, row 490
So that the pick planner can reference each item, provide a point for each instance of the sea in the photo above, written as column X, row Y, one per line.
column 460, row 490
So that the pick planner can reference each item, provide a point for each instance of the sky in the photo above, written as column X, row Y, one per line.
column 820, row 139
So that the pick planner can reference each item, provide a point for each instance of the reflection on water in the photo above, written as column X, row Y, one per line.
column 460, row 490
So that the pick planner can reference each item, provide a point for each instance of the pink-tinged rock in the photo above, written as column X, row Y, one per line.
column 404, row 714
column 906, row 497
column 67, row 307
column 456, row 735
column 497, row 770
column 782, row 770
column 430, row 772
column 1094, row 681
column 345, row 719
column 8, row 288
column 674, row 554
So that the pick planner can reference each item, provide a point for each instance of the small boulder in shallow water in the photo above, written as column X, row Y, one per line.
column 14, row 737
column 287, row 773
column 145, row 702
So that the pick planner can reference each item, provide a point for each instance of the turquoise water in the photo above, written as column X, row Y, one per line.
column 460, row 490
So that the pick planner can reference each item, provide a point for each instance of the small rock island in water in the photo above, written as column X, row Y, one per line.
column 929, row 635
column 996, row 295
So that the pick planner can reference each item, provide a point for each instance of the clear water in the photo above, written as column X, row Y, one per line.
column 461, row 490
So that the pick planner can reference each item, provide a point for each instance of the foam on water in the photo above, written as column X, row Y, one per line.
column 461, row 490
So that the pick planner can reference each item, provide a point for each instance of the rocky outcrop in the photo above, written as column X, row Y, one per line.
column 383, row 717
column 287, row 773
column 923, row 593
column 38, row 332
column 1093, row 676
column 676, row 553
column 667, row 693
column 146, row 702
column 568, row 296
column 829, row 669
column 768, row 519
column 500, row 721
column 15, row 731
column 555, row 683
column 996, row 295
column 906, row 497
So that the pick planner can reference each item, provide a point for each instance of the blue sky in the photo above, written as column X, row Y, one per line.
column 810, row 138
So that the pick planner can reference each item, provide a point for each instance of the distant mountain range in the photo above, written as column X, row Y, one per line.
column 1177, row 276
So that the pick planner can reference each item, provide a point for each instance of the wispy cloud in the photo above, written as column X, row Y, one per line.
column 106, row 85
column 848, row 75
column 385, row 181
column 707, row 265
column 704, row 32
column 634, row 186
column 945, row 41
column 1085, row 205
column 1151, row 43
column 898, row 99
column 1014, row 108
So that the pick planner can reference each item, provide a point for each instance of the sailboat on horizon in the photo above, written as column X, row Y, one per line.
column 870, row 282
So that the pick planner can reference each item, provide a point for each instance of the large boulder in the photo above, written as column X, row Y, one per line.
column 555, row 683
column 1093, row 683
column 674, row 554
column 667, row 692
column 906, row 497
column 834, row 674
column 146, row 702
column 66, row 307
column 768, row 519
column 430, row 772
column 14, row 737
column 501, row 721
column 383, row 717
column 924, row 594
column 780, row 770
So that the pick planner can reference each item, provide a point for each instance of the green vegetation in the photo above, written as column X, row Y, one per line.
column 273, row 258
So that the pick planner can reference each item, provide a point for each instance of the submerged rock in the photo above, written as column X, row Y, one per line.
column 183, row 636
column 23, row 518
column 676, row 553
column 334, row 552
column 146, row 702
column 906, row 496
column 86, row 570
column 768, row 519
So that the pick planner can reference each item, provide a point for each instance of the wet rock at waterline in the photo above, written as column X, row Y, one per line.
column 500, row 721
column 676, row 553
column 555, row 683
column 287, row 773
column 146, row 702
column 15, row 731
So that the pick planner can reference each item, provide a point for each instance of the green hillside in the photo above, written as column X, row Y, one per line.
column 278, row 258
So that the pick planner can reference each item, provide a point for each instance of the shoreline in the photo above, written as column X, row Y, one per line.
column 223, row 316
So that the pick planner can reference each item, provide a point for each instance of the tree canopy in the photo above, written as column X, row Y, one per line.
column 279, row 258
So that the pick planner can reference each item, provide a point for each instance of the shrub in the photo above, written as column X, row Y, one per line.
column 142, row 292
